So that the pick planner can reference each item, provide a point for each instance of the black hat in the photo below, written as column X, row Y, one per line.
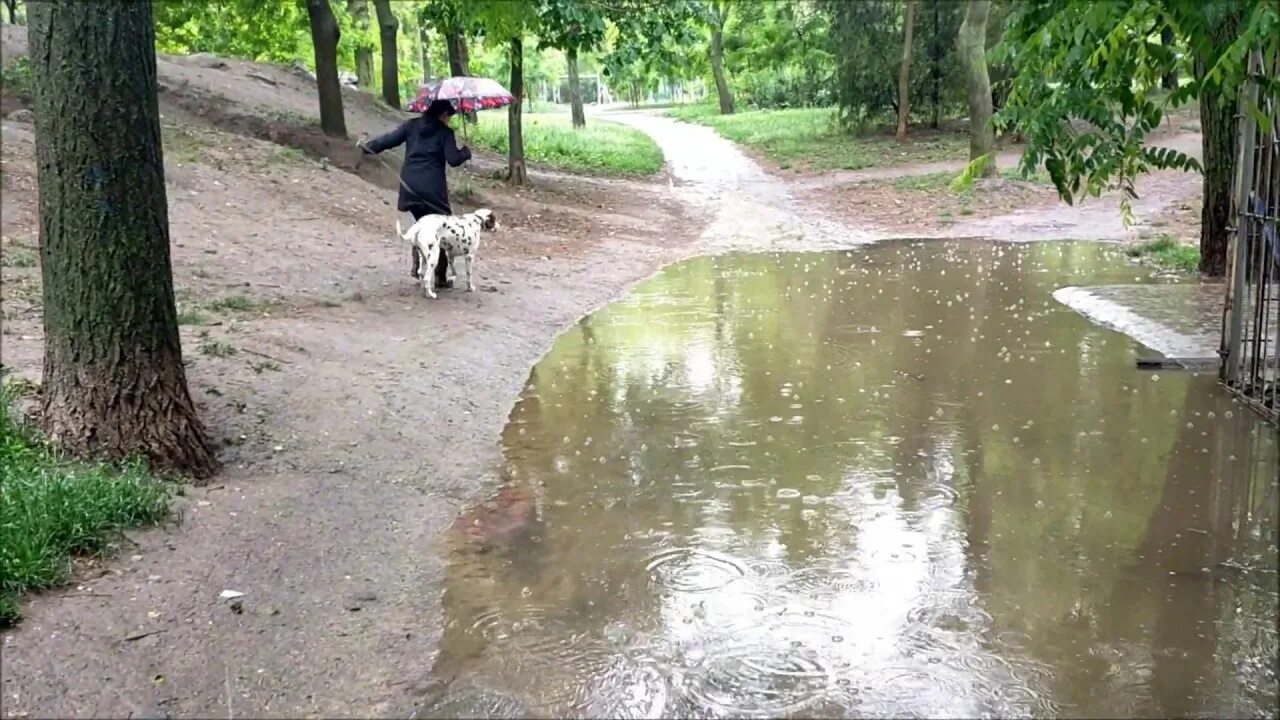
column 440, row 107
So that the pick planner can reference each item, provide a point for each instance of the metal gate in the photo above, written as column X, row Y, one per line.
column 1251, row 323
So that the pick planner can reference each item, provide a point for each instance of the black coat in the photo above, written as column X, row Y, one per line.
column 429, row 144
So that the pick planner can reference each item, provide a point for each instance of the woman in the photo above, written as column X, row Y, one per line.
column 429, row 144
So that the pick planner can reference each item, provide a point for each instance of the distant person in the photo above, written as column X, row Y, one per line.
column 424, row 190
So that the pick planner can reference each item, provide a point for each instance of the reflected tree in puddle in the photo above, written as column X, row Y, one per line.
column 897, row 481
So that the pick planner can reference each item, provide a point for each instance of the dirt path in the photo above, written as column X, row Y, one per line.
column 358, row 418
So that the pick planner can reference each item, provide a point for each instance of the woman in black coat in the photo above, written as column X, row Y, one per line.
column 429, row 144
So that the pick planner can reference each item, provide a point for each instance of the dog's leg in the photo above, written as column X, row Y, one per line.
column 417, row 261
column 469, row 260
column 428, row 272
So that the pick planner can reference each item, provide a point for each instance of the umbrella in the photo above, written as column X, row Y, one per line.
column 466, row 94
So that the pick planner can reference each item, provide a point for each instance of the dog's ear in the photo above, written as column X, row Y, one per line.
column 488, row 220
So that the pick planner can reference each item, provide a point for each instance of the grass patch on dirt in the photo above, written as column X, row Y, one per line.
column 19, row 257
column 812, row 139
column 216, row 348
column 240, row 303
column 191, row 316
column 16, row 79
column 183, row 144
column 1168, row 253
column 939, row 182
column 53, row 510
column 601, row 147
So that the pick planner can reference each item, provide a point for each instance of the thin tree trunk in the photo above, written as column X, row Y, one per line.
column 515, row 131
column 114, row 384
column 904, row 71
column 388, row 33
column 424, row 41
column 1218, row 130
column 575, row 90
column 1170, row 79
column 13, row 11
column 717, row 60
column 456, row 44
column 973, row 56
column 324, row 37
column 935, row 71
column 359, row 10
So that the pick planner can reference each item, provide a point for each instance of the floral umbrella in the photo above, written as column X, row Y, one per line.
column 467, row 94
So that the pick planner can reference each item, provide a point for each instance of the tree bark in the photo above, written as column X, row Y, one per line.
column 456, row 44
column 575, row 90
column 904, row 71
column 516, row 171
column 457, row 47
column 1170, row 79
column 1218, row 130
column 359, row 10
column 114, row 383
column 388, row 33
column 935, row 69
column 721, row 13
column 324, row 38
column 972, row 48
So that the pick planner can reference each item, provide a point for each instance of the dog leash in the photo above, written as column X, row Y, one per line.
column 361, row 148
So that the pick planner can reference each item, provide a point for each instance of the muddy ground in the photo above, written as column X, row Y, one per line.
column 356, row 418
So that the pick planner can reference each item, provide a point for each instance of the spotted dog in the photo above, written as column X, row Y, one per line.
column 424, row 236
column 460, row 237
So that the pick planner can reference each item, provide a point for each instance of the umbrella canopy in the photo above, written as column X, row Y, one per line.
column 467, row 94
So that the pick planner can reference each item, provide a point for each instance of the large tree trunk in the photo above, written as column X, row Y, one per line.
column 1170, row 80
column 1218, row 130
column 515, row 130
column 114, row 384
column 972, row 46
column 324, row 38
column 717, row 59
column 359, row 10
column 575, row 90
column 388, row 31
column 904, row 71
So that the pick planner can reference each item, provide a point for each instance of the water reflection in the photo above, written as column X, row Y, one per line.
column 896, row 481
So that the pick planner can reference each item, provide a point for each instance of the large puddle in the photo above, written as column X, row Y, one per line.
column 897, row 481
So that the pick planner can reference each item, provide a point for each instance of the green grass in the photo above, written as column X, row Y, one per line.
column 19, row 257
column 240, row 303
column 939, row 182
column 52, row 510
column 216, row 348
column 191, row 316
column 812, row 139
column 1167, row 253
column 601, row 147
column 16, row 78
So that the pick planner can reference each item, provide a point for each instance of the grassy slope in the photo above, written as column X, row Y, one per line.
column 602, row 147
column 811, row 139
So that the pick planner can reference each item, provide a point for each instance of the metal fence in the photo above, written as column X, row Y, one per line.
column 1251, row 323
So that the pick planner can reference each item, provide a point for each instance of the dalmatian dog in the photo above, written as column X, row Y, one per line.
column 459, row 236
column 424, row 236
